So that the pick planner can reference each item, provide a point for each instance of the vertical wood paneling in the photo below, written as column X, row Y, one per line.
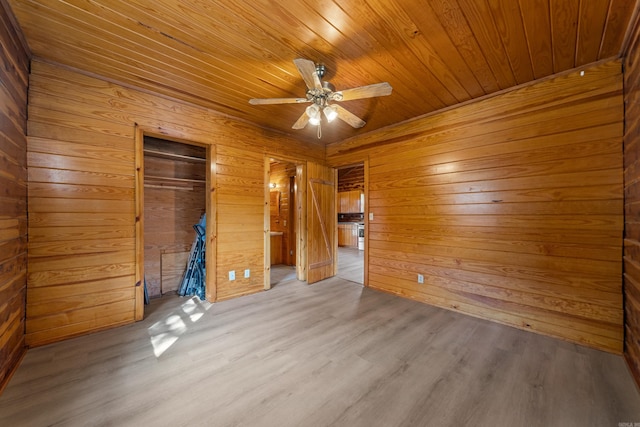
column 81, row 153
column 322, row 227
column 564, row 32
column 510, row 207
column 13, row 195
column 508, row 19
column 537, row 26
column 632, row 204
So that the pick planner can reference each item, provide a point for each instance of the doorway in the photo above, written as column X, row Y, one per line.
column 312, row 227
column 282, row 221
column 352, row 224
column 172, row 182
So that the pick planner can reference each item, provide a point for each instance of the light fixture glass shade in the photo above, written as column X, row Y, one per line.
column 313, row 111
column 330, row 112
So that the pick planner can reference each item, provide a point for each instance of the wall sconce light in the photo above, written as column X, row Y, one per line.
column 272, row 185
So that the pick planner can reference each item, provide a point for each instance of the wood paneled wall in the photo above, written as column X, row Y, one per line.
column 511, row 207
column 14, row 75
column 351, row 178
column 81, row 200
column 632, row 205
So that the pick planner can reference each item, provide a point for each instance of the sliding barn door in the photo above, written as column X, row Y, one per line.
column 321, row 222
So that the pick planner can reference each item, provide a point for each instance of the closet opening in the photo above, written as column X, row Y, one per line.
column 174, row 200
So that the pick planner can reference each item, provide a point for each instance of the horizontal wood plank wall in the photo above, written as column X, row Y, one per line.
column 511, row 207
column 81, row 202
column 351, row 178
column 14, row 76
column 632, row 205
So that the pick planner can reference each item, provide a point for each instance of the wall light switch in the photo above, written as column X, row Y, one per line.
column 370, row 216
column 232, row 275
column 247, row 273
column 420, row 278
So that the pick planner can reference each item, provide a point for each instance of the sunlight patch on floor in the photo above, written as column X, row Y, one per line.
column 165, row 333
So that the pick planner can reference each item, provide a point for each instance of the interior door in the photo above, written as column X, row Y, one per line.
column 321, row 222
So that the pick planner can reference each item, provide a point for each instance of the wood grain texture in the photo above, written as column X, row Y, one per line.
column 511, row 207
column 351, row 178
column 82, row 167
column 13, row 195
column 321, row 227
column 632, row 201
column 331, row 354
column 220, row 54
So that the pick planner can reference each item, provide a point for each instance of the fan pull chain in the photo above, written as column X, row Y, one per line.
column 320, row 130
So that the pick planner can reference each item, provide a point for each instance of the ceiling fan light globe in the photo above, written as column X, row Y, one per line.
column 330, row 113
column 313, row 111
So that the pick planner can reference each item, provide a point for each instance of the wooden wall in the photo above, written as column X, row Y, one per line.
column 81, row 200
column 511, row 207
column 351, row 178
column 632, row 205
column 14, row 75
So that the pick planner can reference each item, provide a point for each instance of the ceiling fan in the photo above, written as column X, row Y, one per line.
column 321, row 95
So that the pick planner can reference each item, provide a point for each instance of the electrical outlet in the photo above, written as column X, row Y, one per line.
column 247, row 273
column 232, row 275
column 420, row 278
column 370, row 216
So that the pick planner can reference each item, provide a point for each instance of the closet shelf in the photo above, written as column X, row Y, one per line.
column 171, row 179
column 166, row 155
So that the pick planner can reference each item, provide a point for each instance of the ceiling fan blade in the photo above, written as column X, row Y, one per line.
column 308, row 72
column 264, row 101
column 378, row 89
column 349, row 117
column 302, row 121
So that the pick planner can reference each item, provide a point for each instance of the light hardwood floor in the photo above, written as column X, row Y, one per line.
column 330, row 354
column 351, row 264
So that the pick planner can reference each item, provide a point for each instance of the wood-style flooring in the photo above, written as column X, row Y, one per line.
column 351, row 265
column 330, row 354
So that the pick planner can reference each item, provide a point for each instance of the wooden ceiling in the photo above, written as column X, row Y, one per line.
column 221, row 53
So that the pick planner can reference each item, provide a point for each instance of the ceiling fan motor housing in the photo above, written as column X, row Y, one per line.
column 321, row 97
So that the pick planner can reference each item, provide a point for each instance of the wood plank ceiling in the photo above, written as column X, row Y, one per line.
column 221, row 53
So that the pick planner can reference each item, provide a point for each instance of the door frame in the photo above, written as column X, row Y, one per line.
column 367, row 214
column 300, row 217
column 210, row 210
